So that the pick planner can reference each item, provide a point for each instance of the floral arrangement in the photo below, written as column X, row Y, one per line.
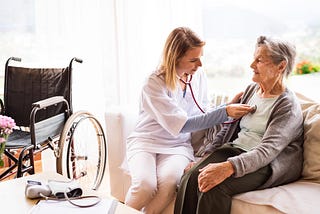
column 6, row 127
column 306, row 67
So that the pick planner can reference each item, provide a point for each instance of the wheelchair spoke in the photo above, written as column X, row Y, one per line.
column 83, row 150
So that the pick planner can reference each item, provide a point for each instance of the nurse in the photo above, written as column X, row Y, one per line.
column 173, row 100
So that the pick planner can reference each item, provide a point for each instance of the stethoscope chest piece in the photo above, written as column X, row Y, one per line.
column 254, row 109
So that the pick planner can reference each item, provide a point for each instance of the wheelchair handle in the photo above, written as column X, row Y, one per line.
column 74, row 59
column 78, row 60
column 18, row 59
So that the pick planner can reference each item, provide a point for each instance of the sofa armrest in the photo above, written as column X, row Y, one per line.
column 119, row 124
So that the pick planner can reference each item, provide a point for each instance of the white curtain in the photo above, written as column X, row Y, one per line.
column 120, row 42
column 84, row 29
column 142, row 27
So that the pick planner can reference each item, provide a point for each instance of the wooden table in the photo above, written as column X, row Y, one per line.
column 13, row 200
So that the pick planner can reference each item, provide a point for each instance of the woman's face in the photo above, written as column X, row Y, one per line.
column 264, row 70
column 190, row 62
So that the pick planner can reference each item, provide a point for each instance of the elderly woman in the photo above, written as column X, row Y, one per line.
column 263, row 149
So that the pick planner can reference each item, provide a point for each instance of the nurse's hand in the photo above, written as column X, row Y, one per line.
column 236, row 111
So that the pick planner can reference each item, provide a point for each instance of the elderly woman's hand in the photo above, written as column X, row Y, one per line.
column 214, row 174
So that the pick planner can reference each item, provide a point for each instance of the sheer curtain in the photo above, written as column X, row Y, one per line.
column 84, row 29
column 142, row 27
column 120, row 42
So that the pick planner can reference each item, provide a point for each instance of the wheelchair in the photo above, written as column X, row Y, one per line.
column 40, row 102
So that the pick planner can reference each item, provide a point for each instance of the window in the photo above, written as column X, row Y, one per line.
column 51, row 33
column 121, row 41
column 15, row 27
column 231, row 28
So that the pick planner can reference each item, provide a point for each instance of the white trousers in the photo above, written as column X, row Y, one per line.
column 154, row 179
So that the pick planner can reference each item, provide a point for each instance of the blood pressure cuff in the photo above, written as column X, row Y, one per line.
column 59, row 188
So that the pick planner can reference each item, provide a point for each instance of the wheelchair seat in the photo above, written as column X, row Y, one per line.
column 18, row 139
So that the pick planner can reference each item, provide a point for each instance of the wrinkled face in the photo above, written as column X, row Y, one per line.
column 264, row 70
column 190, row 62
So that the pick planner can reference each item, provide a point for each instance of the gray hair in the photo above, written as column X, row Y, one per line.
column 279, row 51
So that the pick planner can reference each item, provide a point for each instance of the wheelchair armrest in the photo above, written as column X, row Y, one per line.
column 48, row 102
column 38, row 127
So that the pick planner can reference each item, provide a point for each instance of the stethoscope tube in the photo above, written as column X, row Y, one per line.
column 188, row 83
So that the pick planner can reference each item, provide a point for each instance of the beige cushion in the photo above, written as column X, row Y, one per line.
column 201, row 140
column 311, row 164
column 294, row 198
column 197, row 139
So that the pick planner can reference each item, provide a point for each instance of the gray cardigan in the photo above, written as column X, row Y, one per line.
column 281, row 145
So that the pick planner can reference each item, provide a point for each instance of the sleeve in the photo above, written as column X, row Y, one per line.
column 204, row 121
column 161, row 107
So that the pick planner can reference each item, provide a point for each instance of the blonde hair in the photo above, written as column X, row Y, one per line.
column 179, row 41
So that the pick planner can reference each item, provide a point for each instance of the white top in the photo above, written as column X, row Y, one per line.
column 253, row 126
column 163, row 114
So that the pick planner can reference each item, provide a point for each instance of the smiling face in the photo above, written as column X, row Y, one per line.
column 190, row 62
column 265, row 72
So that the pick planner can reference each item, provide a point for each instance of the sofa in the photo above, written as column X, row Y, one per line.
column 300, row 196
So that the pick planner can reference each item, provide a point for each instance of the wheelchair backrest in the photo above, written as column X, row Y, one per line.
column 25, row 86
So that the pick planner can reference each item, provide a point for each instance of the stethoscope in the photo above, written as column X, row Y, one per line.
column 188, row 83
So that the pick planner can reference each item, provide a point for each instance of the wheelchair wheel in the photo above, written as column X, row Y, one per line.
column 82, row 150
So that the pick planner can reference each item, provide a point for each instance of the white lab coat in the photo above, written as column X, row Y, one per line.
column 163, row 114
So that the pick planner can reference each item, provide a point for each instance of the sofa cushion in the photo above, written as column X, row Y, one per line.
column 296, row 197
column 311, row 146
column 197, row 139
